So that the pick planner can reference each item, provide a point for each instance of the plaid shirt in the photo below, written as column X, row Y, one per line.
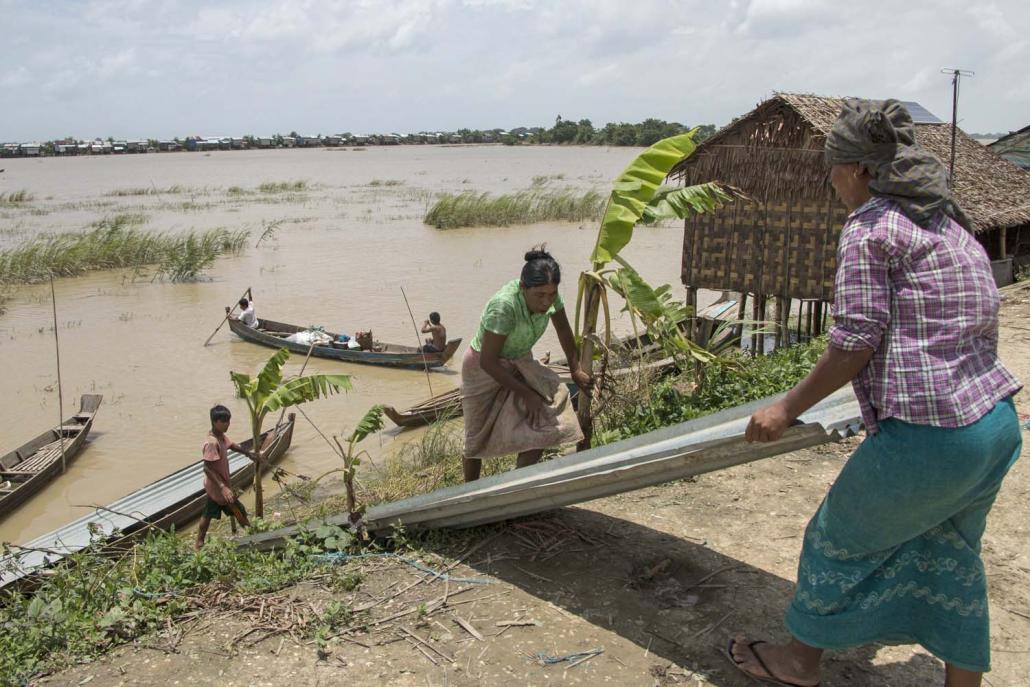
column 925, row 300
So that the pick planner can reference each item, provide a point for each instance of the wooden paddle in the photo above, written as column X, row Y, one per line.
column 228, row 312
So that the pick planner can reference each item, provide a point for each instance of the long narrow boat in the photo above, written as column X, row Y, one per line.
column 272, row 333
column 171, row 501
column 28, row 468
column 440, row 407
column 447, row 406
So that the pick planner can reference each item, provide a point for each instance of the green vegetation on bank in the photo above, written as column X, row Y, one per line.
column 116, row 243
column 96, row 601
column 642, row 404
column 472, row 209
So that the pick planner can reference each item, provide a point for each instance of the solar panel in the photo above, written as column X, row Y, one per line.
column 920, row 115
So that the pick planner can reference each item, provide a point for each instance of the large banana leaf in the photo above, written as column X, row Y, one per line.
column 370, row 424
column 271, row 375
column 633, row 190
column 673, row 202
column 304, row 389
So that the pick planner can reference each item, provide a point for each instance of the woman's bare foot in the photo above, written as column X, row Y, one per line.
column 788, row 664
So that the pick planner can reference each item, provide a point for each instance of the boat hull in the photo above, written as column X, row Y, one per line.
column 272, row 333
column 13, row 465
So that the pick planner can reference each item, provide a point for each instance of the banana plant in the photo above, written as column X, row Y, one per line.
column 268, row 393
column 637, row 196
column 371, row 423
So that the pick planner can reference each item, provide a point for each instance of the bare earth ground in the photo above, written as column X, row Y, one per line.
column 658, row 579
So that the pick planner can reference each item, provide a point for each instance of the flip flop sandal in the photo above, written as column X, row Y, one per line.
column 771, row 679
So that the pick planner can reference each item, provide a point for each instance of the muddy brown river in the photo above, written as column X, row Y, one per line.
column 337, row 255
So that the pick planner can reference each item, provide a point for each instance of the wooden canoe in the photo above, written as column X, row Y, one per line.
column 440, row 407
column 447, row 406
column 28, row 468
column 172, row 501
column 273, row 334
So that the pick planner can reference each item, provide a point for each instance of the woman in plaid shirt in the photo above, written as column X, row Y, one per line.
column 893, row 553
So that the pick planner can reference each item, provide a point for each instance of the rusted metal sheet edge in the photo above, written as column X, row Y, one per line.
column 710, row 443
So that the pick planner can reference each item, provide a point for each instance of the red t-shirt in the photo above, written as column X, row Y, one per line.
column 216, row 456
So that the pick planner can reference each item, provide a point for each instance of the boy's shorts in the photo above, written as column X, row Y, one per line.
column 214, row 510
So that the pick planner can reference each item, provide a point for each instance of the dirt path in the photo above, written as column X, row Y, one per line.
column 658, row 579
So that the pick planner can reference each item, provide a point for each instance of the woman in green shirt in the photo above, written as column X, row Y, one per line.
column 512, row 403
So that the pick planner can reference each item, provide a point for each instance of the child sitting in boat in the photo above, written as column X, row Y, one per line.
column 220, row 495
column 438, row 342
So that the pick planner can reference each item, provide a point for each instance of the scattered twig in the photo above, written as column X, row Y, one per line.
column 517, row 623
column 468, row 627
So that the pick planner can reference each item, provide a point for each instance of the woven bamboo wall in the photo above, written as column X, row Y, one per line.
column 784, row 248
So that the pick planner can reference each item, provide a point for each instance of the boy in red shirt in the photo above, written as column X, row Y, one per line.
column 220, row 496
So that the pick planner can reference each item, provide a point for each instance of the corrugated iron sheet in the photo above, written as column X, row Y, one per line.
column 710, row 443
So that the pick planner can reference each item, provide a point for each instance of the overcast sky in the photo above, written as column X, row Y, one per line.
column 163, row 68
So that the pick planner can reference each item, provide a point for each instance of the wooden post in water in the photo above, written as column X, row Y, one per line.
column 60, row 393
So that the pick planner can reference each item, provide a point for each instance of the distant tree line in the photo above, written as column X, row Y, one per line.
column 583, row 132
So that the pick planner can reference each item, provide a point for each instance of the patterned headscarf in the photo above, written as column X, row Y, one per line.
column 879, row 134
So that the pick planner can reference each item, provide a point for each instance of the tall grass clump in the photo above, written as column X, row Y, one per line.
column 525, row 207
column 96, row 602
column 116, row 243
column 16, row 197
column 283, row 186
column 185, row 257
column 433, row 462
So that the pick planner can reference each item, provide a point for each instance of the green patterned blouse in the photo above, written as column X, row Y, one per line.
column 506, row 314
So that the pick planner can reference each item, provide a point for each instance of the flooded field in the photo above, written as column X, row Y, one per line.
column 333, row 250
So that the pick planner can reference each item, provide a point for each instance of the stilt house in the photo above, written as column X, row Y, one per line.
column 781, row 249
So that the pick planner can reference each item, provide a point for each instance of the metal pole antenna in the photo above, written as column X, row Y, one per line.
column 956, row 75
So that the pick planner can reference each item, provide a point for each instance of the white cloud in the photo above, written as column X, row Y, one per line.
column 168, row 67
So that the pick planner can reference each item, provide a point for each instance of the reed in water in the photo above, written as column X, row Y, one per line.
column 472, row 209
column 117, row 243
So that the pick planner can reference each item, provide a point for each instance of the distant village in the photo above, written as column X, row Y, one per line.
column 564, row 131
column 111, row 146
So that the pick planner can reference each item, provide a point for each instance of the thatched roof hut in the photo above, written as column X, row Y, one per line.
column 784, row 245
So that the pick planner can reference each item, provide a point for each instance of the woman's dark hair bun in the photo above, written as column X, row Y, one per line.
column 540, row 268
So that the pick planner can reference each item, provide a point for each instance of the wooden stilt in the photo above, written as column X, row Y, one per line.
column 741, row 315
column 785, row 321
column 755, row 323
column 778, row 315
column 695, row 323
column 763, row 302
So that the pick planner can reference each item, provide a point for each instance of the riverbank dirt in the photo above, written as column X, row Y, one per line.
column 658, row 579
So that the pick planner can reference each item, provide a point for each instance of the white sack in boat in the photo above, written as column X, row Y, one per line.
column 309, row 336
